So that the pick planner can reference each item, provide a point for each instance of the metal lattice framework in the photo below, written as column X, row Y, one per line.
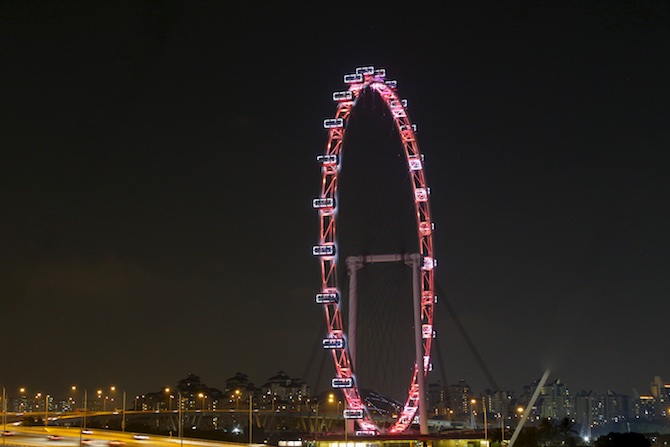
column 326, row 204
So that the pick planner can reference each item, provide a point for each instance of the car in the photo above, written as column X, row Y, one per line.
column 8, row 433
column 86, row 431
column 116, row 442
column 87, row 442
column 140, row 437
column 55, row 437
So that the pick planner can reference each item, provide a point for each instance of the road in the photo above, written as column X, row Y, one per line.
column 31, row 436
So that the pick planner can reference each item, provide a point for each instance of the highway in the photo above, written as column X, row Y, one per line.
column 55, row 437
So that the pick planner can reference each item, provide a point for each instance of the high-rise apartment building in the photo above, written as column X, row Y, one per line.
column 554, row 402
column 660, row 391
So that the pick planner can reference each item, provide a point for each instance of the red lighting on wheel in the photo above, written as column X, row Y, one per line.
column 363, row 78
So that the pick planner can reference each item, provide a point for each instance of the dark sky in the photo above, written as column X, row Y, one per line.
column 157, row 171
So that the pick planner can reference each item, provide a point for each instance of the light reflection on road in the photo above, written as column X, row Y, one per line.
column 29, row 436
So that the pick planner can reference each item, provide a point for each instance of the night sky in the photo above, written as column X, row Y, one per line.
column 158, row 166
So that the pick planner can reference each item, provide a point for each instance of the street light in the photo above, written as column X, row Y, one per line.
column 202, row 396
column 472, row 413
column 36, row 404
column 46, row 406
column 331, row 400
column 82, row 423
column 46, row 410
column 112, row 399
column 4, row 414
column 123, row 412
column 181, row 420
column 71, row 399
column 237, row 400
column 169, row 398
column 24, row 401
column 251, row 419
column 316, row 422
column 486, row 432
column 123, row 406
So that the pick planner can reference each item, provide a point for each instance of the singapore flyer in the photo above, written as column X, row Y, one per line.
column 340, row 336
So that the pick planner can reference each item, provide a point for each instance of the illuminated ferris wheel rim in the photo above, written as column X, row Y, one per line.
column 326, row 204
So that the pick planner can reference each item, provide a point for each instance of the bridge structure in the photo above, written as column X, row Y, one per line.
column 238, row 423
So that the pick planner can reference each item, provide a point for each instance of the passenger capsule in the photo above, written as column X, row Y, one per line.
column 369, row 70
column 331, row 123
column 353, row 414
column 327, row 202
column 353, row 78
column 346, row 95
column 323, row 250
column 333, row 343
column 342, row 382
column 327, row 298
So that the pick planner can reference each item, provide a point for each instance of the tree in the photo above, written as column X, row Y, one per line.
column 566, row 431
column 528, row 437
column 623, row 440
column 546, row 431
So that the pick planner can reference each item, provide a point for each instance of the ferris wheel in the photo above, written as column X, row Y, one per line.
column 337, row 340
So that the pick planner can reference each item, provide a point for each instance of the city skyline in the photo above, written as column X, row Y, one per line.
column 591, row 413
column 159, row 166
column 118, row 390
